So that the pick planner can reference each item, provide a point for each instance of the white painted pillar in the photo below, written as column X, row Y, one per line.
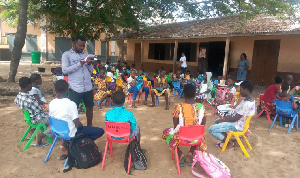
column 43, row 39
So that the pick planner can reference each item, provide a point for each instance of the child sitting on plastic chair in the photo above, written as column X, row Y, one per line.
column 64, row 109
column 236, row 121
column 119, row 114
column 161, row 88
column 102, row 88
column 36, row 81
column 205, row 88
column 285, row 96
column 28, row 102
column 185, row 114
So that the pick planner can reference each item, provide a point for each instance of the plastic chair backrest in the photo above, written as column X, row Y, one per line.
column 247, row 124
column 176, row 84
column 117, row 129
column 119, row 82
column 59, row 128
column 191, row 133
column 284, row 108
column 168, row 77
column 108, row 78
column 221, row 94
column 27, row 117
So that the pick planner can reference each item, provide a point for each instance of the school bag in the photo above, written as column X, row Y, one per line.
column 213, row 167
column 83, row 153
column 138, row 158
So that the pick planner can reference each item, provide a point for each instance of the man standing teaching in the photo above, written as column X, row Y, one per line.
column 79, row 72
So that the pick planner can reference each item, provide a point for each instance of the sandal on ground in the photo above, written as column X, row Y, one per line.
column 151, row 105
column 220, row 146
column 133, row 106
column 144, row 151
column 182, row 161
column 39, row 145
column 189, row 163
column 63, row 157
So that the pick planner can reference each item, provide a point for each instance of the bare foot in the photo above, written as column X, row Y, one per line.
column 167, row 108
column 99, row 107
column 133, row 106
column 189, row 157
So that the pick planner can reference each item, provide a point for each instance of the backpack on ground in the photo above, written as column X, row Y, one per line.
column 139, row 160
column 83, row 153
column 211, row 165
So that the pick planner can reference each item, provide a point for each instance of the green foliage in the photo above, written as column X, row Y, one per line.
column 91, row 17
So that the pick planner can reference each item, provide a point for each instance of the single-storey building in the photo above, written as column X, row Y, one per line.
column 271, row 44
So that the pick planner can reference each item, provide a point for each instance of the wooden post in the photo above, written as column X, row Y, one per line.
column 142, row 53
column 197, row 55
column 226, row 58
column 175, row 55
column 107, row 50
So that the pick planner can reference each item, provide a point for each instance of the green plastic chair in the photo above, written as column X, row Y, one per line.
column 168, row 77
column 83, row 106
column 38, row 127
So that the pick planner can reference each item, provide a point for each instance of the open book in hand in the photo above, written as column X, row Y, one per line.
column 90, row 56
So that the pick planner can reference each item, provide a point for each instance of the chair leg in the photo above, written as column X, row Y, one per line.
column 66, row 163
column 275, row 121
column 260, row 113
column 247, row 142
column 241, row 145
column 104, row 155
column 172, row 154
column 280, row 118
column 268, row 116
column 129, row 164
column 292, row 124
column 177, row 161
column 226, row 141
column 25, row 134
column 297, row 122
column 214, row 110
column 110, row 149
column 51, row 148
column 32, row 138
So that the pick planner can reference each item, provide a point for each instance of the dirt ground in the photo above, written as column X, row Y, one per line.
column 274, row 154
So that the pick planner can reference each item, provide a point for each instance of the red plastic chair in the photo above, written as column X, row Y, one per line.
column 188, row 133
column 116, row 129
column 260, row 97
column 129, row 100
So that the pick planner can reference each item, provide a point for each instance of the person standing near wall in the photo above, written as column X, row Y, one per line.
column 183, row 64
column 243, row 66
column 79, row 72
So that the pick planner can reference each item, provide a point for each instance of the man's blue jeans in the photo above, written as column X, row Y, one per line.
column 217, row 130
column 135, row 91
column 91, row 132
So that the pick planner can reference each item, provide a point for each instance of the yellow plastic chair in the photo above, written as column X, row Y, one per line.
column 237, row 137
column 108, row 79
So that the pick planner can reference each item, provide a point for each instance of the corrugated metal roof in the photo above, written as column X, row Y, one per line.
column 214, row 27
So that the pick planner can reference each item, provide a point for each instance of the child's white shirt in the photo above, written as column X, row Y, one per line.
column 66, row 110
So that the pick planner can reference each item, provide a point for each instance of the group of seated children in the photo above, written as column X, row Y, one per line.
column 192, row 113
column 64, row 109
column 280, row 90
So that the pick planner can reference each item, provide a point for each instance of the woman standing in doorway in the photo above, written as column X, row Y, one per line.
column 242, row 68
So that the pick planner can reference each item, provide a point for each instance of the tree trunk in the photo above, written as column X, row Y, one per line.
column 122, row 52
column 19, row 40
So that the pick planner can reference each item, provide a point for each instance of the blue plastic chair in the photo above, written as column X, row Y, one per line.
column 157, row 100
column 177, row 89
column 60, row 129
column 284, row 108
